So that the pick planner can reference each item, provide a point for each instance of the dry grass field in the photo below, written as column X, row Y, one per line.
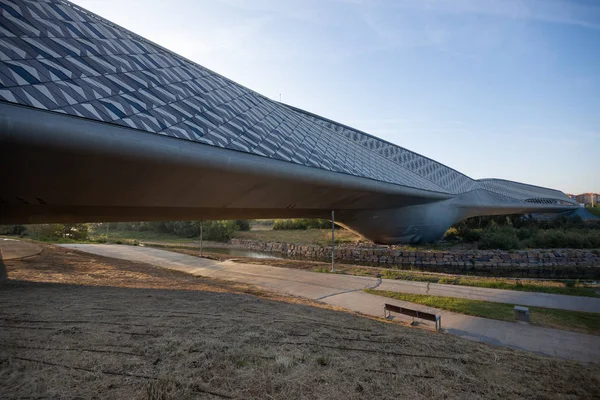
column 80, row 326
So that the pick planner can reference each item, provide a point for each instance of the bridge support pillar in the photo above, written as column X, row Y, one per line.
column 412, row 224
column 425, row 222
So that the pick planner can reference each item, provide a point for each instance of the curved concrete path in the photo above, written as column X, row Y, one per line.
column 12, row 249
column 346, row 291
column 532, row 299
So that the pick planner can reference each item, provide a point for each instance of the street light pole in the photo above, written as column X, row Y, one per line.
column 332, row 240
column 201, row 236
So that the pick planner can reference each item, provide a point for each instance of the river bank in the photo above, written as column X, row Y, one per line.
column 547, row 264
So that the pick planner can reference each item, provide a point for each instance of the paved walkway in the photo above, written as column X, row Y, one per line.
column 532, row 299
column 11, row 249
column 346, row 291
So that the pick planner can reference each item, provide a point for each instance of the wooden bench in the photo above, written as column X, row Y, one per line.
column 388, row 309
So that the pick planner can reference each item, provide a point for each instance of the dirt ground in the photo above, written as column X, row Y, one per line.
column 79, row 326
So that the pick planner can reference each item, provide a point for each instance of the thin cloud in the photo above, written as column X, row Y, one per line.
column 585, row 14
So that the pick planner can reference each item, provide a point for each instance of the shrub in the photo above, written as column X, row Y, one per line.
column 242, row 224
column 12, row 229
column 51, row 231
column 571, row 238
column 471, row 235
column 77, row 231
column 219, row 231
column 526, row 233
column 65, row 231
column 315, row 223
column 186, row 228
column 287, row 224
column 452, row 235
column 516, row 231
column 502, row 238
column 301, row 223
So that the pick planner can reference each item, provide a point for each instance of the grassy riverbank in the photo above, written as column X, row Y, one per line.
column 547, row 317
column 569, row 287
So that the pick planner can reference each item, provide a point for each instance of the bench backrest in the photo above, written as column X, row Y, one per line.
column 411, row 313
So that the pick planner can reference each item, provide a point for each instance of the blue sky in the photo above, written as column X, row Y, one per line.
column 503, row 89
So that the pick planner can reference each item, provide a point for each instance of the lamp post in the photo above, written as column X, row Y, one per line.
column 332, row 240
column 201, row 235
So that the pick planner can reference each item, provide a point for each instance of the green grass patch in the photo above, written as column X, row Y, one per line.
column 135, row 235
column 548, row 317
column 61, row 240
column 570, row 288
column 325, row 270
column 321, row 237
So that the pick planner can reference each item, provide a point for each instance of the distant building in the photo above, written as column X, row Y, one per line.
column 587, row 198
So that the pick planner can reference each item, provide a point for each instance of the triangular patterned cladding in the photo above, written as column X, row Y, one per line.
column 58, row 57
column 446, row 177
column 521, row 191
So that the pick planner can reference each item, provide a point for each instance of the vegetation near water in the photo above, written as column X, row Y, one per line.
column 511, row 232
column 301, row 223
column 518, row 232
column 220, row 231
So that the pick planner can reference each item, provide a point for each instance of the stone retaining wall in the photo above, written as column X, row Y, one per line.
column 553, row 264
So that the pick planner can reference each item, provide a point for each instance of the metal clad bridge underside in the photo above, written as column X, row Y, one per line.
column 55, row 56
column 100, row 124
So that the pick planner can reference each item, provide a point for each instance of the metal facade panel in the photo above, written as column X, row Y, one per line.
column 54, row 56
